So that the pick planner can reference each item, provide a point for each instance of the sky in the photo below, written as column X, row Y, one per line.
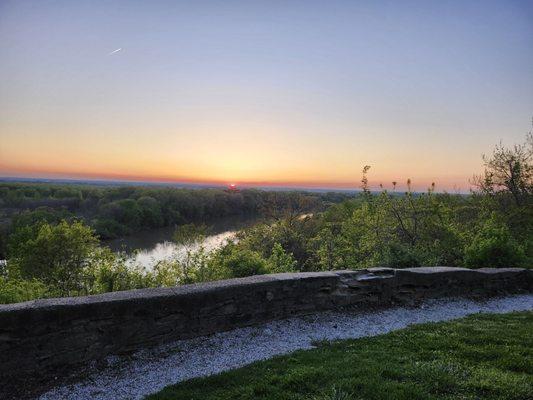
column 283, row 93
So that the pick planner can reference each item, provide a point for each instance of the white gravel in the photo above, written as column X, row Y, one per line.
column 147, row 372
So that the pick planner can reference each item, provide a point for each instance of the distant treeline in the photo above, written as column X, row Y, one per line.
column 119, row 211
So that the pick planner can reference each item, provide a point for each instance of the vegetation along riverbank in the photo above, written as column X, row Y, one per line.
column 53, row 249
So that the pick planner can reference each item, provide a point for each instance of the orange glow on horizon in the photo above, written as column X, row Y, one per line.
column 449, row 185
column 241, row 94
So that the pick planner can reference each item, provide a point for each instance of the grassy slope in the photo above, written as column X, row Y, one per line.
column 479, row 357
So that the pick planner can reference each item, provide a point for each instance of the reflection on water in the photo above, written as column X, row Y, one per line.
column 148, row 247
column 167, row 250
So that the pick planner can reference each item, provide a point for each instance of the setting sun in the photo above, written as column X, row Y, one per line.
column 265, row 101
column 259, row 199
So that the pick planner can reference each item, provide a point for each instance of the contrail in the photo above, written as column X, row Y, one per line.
column 115, row 51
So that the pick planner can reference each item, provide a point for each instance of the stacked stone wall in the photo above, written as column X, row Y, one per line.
column 43, row 338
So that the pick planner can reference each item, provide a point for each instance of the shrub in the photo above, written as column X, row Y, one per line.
column 280, row 260
column 400, row 256
column 245, row 262
column 109, row 228
column 17, row 290
column 55, row 254
column 493, row 246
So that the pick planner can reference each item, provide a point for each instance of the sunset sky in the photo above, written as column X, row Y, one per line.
column 297, row 93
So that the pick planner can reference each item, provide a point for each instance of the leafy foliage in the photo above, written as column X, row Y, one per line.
column 118, row 211
column 245, row 263
column 494, row 246
column 54, row 252
column 509, row 171
column 16, row 290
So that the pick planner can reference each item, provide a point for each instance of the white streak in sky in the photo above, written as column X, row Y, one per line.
column 115, row 51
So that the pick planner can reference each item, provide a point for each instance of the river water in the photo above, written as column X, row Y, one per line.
column 148, row 247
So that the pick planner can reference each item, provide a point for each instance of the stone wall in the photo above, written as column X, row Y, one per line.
column 40, row 339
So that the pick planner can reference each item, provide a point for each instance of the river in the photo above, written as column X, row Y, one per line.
column 146, row 248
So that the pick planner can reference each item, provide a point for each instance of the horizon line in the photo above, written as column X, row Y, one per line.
column 333, row 186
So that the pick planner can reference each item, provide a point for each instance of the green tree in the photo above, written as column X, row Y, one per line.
column 56, row 255
column 17, row 290
column 109, row 272
column 493, row 246
column 245, row 262
column 280, row 260
column 509, row 171
column 151, row 215
column 191, row 255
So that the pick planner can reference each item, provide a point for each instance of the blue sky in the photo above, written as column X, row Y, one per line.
column 281, row 92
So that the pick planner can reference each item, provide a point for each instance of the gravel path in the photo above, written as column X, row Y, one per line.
column 147, row 372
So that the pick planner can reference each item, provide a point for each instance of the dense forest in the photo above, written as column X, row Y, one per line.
column 118, row 211
column 52, row 232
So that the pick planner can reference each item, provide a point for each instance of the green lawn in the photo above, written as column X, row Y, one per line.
column 478, row 357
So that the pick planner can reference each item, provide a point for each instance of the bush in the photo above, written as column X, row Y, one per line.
column 400, row 256
column 493, row 246
column 109, row 228
column 280, row 260
column 17, row 290
column 54, row 254
column 106, row 271
column 245, row 262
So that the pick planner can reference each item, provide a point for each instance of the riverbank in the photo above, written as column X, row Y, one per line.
column 147, row 247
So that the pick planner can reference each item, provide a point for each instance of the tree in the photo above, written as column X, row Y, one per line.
column 191, row 255
column 126, row 212
column 493, row 246
column 245, row 262
column 56, row 255
column 509, row 171
column 151, row 212
column 280, row 260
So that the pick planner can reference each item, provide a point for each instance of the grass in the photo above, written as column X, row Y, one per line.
column 479, row 357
